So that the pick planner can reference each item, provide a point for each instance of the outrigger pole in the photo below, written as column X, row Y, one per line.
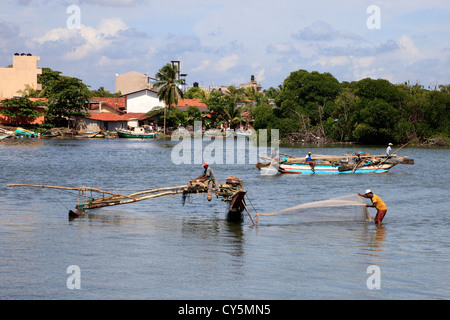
column 85, row 202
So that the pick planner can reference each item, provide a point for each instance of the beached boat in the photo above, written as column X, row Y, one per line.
column 4, row 136
column 137, row 132
column 21, row 132
column 330, row 164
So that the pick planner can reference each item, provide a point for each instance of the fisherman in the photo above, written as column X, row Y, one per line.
column 376, row 203
column 310, row 162
column 208, row 174
column 389, row 150
column 358, row 158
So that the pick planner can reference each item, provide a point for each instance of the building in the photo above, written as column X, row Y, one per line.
column 142, row 101
column 23, row 72
column 131, row 82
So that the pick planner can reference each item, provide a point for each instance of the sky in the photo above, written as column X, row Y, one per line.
column 225, row 42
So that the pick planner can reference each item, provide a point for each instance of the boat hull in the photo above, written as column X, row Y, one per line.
column 134, row 135
column 299, row 168
column 235, row 207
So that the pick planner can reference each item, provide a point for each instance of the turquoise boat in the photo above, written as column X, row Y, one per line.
column 25, row 133
column 333, row 164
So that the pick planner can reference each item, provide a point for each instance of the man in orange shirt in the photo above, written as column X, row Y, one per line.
column 376, row 203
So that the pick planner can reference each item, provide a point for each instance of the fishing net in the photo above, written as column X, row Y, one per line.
column 346, row 208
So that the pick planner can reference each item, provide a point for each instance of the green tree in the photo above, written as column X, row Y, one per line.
column 195, row 93
column 20, row 110
column 102, row 92
column 306, row 95
column 193, row 114
column 167, row 86
column 216, row 104
column 69, row 96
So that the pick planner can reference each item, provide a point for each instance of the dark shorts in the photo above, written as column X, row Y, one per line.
column 380, row 215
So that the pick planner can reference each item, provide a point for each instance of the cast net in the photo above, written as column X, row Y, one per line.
column 346, row 208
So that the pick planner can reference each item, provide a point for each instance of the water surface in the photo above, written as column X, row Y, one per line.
column 159, row 249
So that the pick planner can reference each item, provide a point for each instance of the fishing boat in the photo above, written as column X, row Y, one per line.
column 243, row 133
column 331, row 164
column 4, row 136
column 231, row 192
column 137, row 132
column 87, row 134
column 21, row 132
column 218, row 134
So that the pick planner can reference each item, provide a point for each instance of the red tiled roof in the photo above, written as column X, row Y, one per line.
column 190, row 103
column 106, row 116
column 117, row 104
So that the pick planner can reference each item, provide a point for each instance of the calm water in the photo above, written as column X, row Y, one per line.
column 158, row 249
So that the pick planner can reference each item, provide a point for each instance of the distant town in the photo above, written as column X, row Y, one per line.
column 129, row 106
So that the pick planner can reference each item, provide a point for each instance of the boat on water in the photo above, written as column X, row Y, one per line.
column 138, row 132
column 218, row 133
column 243, row 133
column 231, row 192
column 87, row 134
column 331, row 164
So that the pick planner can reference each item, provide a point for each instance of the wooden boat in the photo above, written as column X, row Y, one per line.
column 87, row 134
column 137, row 132
column 327, row 164
column 231, row 192
column 218, row 134
column 4, row 136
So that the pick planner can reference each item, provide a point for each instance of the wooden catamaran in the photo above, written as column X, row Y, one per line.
column 231, row 192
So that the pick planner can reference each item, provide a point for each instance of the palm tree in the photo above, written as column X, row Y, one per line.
column 167, row 86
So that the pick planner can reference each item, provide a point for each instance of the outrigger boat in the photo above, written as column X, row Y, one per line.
column 329, row 164
column 231, row 192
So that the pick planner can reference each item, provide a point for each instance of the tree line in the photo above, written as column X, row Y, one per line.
column 306, row 107
column 313, row 106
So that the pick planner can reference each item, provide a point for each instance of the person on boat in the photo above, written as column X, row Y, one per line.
column 208, row 175
column 376, row 203
column 389, row 150
column 309, row 161
column 358, row 158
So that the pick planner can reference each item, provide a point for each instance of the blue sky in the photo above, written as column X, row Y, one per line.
column 225, row 42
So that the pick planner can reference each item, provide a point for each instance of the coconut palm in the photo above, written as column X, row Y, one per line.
column 167, row 86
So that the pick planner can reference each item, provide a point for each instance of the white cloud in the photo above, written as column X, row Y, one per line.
column 85, row 40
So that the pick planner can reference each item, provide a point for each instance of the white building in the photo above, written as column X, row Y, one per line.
column 142, row 101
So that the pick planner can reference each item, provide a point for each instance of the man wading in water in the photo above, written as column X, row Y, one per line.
column 376, row 203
